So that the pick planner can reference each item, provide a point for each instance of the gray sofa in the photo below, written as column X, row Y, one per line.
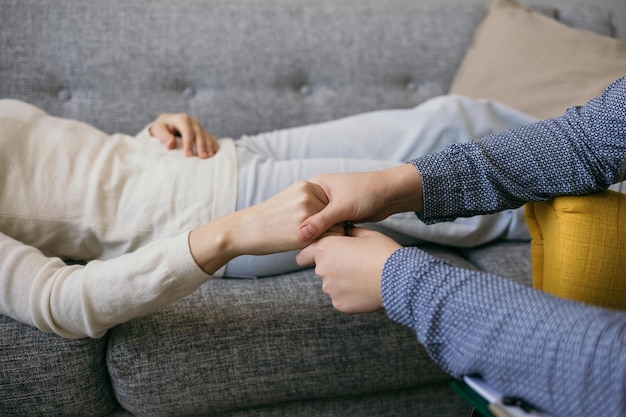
column 266, row 347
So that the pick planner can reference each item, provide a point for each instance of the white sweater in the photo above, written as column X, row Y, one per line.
column 124, row 203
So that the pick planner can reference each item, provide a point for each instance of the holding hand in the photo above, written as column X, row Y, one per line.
column 351, row 268
column 196, row 141
column 364, row 197
column 271, row 226
column 268, row 227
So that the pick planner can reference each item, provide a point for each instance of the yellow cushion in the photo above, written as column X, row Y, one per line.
column 578, row 247
column 534, row 63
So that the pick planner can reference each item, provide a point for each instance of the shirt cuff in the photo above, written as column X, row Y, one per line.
column 181, row 263
column 400, row 282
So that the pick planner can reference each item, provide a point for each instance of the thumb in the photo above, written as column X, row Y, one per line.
column 317, row 224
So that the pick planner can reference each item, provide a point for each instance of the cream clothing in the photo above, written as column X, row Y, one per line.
column 69, row 190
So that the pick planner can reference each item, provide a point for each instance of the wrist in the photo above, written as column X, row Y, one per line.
column 402, row 187
column 211, row 247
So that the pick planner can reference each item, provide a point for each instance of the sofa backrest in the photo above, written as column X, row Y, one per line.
column 240, row 66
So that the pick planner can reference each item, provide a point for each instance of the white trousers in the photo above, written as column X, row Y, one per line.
column 270, row 162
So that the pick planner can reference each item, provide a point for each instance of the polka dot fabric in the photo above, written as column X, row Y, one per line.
column 577, row 153
column 564, row 357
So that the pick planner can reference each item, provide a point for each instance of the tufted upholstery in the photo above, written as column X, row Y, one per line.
column 115, row 63
column 267, row 347
column 118, row 64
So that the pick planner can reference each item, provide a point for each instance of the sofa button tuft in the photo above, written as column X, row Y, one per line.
column 305, row 90
column 64, row 95
column 189, row 92
column 411, row 86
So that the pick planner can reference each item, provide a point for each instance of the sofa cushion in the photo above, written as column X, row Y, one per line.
column 507, row 259
column 578, row 247
column 436, row 400
column 235, row 344
column 536, row 64
column 226, row 65
column 43, row 374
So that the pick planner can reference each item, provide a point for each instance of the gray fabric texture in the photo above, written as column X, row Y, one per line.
column 268, row 347
column 436, row 400
column 265, row 70
column 118, row 64
column 506, row 259
column 45, row 375
column 253, row 343
column 257, row 342
column 200, row 57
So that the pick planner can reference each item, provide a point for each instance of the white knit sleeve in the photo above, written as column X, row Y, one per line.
column 78, row 301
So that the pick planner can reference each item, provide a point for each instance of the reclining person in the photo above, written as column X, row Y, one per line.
column 154, row 224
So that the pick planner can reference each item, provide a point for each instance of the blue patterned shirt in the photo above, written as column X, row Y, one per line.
column 562, row 356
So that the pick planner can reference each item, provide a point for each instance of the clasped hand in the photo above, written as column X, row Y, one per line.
column 351, row 265
column 349, row 261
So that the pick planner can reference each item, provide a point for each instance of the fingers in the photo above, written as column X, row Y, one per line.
column 271, row 226
column 364, row 197
column 306, row 256
column 313, row 227
column 195, row 139
column 320, row 223
column 337, row 230
column 350, row 268
column 161, row 131
column 346, row 193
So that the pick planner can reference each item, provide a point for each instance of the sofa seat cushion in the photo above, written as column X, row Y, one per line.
column 236, row 344
column 43, row 374
column 507, row 259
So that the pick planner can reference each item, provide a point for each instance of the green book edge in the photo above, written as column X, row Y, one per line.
column 471, row 397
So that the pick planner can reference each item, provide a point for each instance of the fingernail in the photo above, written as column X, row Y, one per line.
column 307, row 232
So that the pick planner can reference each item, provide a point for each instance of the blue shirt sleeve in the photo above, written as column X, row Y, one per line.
column 577, row 153
column 565, row 357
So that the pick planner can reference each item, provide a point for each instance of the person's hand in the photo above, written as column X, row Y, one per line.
column 364, row 197
column 272, row 226
column 196, row 141
column 351, row 267
column 268, row 227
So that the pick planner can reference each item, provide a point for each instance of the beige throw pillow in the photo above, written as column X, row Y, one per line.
column 536, row 64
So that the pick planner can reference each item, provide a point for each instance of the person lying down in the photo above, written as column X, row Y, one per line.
column 156, row 215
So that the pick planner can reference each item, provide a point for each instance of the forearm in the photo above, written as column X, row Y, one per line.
column 561, row 356
column 78, row 301
column 578, row 153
